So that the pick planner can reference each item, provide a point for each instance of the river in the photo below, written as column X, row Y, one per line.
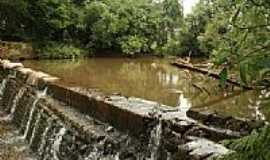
column 156, row 80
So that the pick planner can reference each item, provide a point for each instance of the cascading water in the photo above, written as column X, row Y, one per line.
column 14, row 75
column 35, row 127
column 3, row 87
column 117, row 156
column 95, row 154
column 38, row 96
column 51, row 150
column 18, row 96
column 3, row 84
column 30, row 118
column 169, row 156
column 57, row 142
column 155, row 141
column 44, row 138
column 15, row 102
column 183, row 104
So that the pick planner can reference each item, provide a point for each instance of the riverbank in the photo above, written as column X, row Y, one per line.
column 16, row 50
column 19, row 51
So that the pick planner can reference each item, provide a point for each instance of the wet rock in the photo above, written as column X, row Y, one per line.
column 201, row 148
column 8, row 65
column 243, row 126
column 127, row 156
column 109, row 129
column 34, row 77
column 23, row 73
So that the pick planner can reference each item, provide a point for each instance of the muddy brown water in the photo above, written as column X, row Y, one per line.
column 156, row 80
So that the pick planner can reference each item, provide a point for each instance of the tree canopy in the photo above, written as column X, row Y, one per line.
column 123, row 26
column 237, row 36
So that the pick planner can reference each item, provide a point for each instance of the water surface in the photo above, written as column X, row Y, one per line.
column 156, row 80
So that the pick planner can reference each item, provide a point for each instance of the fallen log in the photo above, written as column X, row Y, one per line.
column 191, row 67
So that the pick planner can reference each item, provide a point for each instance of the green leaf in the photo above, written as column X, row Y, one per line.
column 243, row 72
column 223, row 77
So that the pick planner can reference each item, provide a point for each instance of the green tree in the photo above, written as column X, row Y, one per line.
column 239, row 37
column 13, row 17
column 173, row 16
column 123, row 25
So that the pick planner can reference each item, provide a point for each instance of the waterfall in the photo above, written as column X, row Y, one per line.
column 43, row 137
column 155, row 141
column 35, row 127
column 33, row 108
column 30, row 118
column 95, row 154
column 183, row 104
column 169, row 156
column 18, row 96
column 43, row 93
column 3, row 84
column 57, row 142
column 117, row 156
column 14, row 75
column 51, row 150
column 3, row 87
column 15, row 102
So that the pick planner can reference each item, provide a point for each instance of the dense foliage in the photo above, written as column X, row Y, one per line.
column 187, row 41
column 122, row 26
column 238, row 38
column 12, row 15
column 255, row 146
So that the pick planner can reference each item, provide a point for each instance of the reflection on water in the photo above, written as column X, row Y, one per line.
column 183, row 104
column 250, row 104
column 153, row 79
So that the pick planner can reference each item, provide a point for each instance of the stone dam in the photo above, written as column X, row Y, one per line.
column 55, row 122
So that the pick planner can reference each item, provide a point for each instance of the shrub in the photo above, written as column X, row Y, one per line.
column 255, row 146
column 54, row 50
column 132, row 45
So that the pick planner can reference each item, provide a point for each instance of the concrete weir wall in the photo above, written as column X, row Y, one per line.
column 61, row 123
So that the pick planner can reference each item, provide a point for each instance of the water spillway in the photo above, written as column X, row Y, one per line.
column 61, row 123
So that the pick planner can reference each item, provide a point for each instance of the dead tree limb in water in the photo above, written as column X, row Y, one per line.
column 209, row 73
